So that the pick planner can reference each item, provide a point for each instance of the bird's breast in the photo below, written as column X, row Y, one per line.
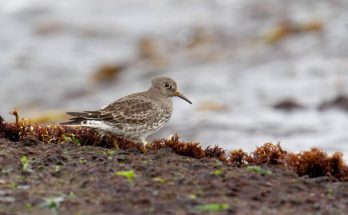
column 167, row 108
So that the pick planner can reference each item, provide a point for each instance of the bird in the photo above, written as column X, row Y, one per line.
column 135, row 116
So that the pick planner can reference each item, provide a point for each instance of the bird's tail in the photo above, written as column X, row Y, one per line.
column 78, row 118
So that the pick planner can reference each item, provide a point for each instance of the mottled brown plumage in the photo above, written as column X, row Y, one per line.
column 135, row 116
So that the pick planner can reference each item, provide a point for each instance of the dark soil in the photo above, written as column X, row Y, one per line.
column 61, row 170
column 83, row 180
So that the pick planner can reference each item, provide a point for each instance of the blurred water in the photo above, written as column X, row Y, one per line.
column 49, row 49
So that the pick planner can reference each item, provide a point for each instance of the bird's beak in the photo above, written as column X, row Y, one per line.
column 178, row 94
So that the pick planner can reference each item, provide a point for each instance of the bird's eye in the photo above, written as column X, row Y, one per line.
column 167, row 85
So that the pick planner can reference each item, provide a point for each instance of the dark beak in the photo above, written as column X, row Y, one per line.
column 182, row 96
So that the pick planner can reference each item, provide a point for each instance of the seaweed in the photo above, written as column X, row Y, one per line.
column 314, row 163
column 190, row 149
column 215, row 152
column 238, row 157
column 2, row 127
column 9, row 131
column 267, row 154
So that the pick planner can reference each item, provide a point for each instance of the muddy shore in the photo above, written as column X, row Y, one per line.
column 70, row 173
column 72, row 179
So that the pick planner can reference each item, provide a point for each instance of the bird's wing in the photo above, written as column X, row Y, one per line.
column 137, row 110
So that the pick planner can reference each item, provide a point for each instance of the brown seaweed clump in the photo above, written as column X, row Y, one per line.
column 190, row 149
column 24, row 130
column 187, row 149
column 314, row 163
column 9, row 131
column 239, row 158
column 267, row 154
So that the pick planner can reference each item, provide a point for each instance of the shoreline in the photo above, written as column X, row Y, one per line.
column 54, row 169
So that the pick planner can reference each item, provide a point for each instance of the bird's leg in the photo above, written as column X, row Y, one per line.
column 100, row 138
column 109, row 136
column 115, row 142
column 143, row 145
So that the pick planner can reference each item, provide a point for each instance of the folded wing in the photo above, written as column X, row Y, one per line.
column 131, row 111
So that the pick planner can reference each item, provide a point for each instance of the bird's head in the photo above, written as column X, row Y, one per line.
column 168, row 88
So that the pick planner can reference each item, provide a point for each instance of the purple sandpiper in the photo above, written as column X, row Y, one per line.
column 135, row 116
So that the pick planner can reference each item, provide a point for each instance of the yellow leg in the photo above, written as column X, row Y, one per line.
column 143, row 146
column 114, row 141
